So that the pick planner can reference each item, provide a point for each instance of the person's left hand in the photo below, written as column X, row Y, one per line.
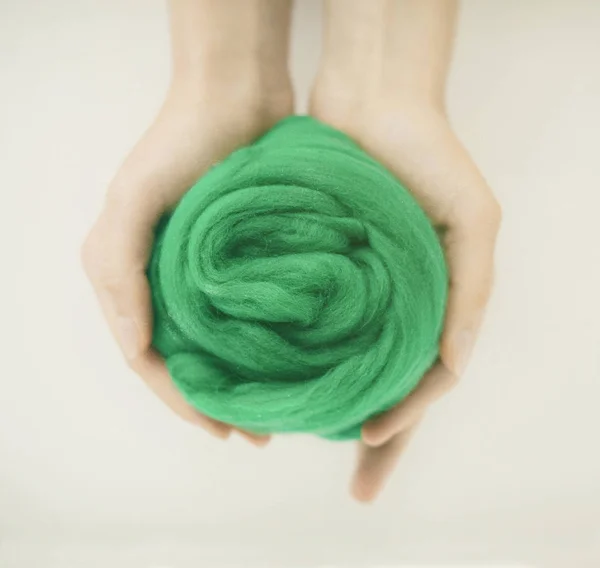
column 415, row 141
column 197, row 127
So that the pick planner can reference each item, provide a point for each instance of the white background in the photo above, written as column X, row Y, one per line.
column 95, row 472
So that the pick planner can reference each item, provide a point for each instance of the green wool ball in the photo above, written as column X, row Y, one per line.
column 297, row 286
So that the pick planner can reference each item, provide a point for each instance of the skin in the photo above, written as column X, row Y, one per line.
column 229, row 85
column 381, row 80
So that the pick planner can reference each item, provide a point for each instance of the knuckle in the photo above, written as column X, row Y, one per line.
column 481, row 215
column 481, row 299
column 469, row 297
column 473, row 306
column 190, row 419
column 494, row 212
column 489, row 212
column 484, row 288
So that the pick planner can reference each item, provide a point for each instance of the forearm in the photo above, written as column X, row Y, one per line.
column 231, row 43
column 396, row 48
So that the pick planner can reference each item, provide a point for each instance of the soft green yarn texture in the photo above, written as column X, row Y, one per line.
column 297, row 286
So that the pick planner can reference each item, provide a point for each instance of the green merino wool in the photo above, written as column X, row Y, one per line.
column 297, row 286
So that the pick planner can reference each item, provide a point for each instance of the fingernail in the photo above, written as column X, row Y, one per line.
column 257, row 440
column 372, row 439
column 462, row 351
column 361, row 492
column 128, row 337
column 222, row 434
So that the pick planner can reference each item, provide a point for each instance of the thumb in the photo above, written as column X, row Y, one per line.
column 469, row 245
column 375, row 465
column 129, row 301
column 114, row 257
column 115, row 260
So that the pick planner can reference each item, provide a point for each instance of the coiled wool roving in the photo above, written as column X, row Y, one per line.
column 297, row 286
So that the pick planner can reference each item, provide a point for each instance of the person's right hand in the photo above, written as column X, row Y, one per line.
column 194, row 129
column 415, row 141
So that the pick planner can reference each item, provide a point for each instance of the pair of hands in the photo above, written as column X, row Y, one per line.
column 193, row 131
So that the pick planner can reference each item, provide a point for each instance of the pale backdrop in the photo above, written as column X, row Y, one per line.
column 94, row 471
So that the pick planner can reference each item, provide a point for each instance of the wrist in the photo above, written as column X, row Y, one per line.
column 231, row 81
column 377, row 77
column 231, row 51
column 246, row 97
column 226, row 66
column 346, row 102
column 395, row 53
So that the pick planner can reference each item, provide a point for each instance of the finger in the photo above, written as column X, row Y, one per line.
column 259, row 440
column 115, row 257
column 375, row 465
column 152, row 369
column 469, row 244
column 119, row 281
column 436, row 382
column 128, row 300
